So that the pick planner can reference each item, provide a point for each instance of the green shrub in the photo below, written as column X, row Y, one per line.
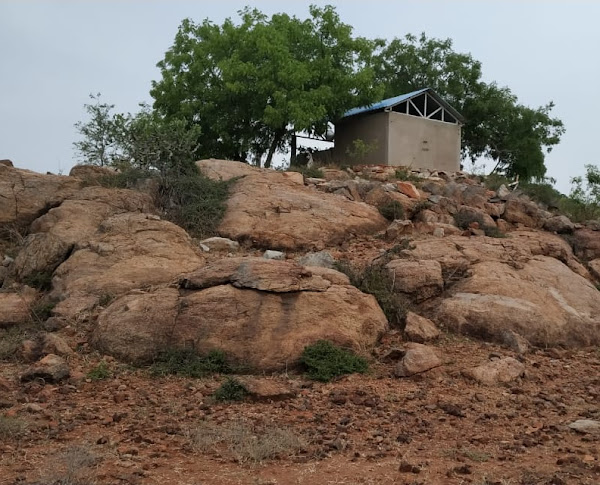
column 195, row 203
column 494, row 181
column 41, row 280
column 308, row 172
column 324, row 361
column 493, row 231
column 128, row 178
column 544, row 193
column 230, row 390
column 579, row 211
column 376, row 280
column 407, row 176
column 100, row 372
column 188, row 363
column 392, row 210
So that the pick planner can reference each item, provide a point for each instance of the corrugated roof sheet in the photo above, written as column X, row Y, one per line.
column 390, row 102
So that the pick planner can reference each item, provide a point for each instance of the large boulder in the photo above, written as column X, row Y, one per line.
column 72, row 225
column 273, row 211
column 522, row 211
column 586, row 243
column 541, row 300
column 128, row 251
column 15, row 308
column 225, row 169
column 261, row 313
column 26, row 195
column 418, row 279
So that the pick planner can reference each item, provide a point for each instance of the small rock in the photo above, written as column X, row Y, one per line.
column 515, row 342
column 420, row 329
column 31, row 407
column 497, row 371
column 406, row 467
column 266, row 389
column 7, row 260
column 585, row 426
column 51, row 368
column 220, row 244
column 559, row 224
column 53, row 344
column 408, row 189
column 322, row 258
column 271, row 254
column 6, row 162
column 502, row 193
column 418, row 358
column 399, row 228
column 438, row 232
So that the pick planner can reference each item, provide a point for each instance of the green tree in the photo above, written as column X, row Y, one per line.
column 101, row 134
column 516, row 137
column 250, row 85
column 587, row 192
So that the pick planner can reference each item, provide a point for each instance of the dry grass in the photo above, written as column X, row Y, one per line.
column 74, row 466
column 244, row 443
column 11, row 428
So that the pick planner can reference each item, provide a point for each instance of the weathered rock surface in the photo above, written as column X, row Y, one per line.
column 225, row 169
column 321, row 258
column 420, row 329
column 271, row 211
column 543, row 300
column 261, row 313
column 559, row 224
column 496, row 371
column 586, row 244
column 586, row 426
column 263, row 389
column 417, row 359
column 419, row 279
column 595, row 268
column 91, row 173
column 220, row 244
column 128, row 251
column 15, row 308
column 27, row 195
column 51, row 368
column 524, row 212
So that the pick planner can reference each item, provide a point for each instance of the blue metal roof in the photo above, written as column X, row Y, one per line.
column 390, row 102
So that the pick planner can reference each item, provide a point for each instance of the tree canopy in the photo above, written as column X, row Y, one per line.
column 241, row 89
column 250, row 85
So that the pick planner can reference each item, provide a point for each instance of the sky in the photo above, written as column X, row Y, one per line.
column 53, row 54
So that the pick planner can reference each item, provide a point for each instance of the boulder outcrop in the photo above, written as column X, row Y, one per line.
column 272, row 211
column 261, row 313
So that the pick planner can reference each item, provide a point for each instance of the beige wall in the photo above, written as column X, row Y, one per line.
column 423, row 143
column 400, row 140
column 371, row 129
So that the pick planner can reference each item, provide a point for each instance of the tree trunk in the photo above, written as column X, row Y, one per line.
column 272, row 148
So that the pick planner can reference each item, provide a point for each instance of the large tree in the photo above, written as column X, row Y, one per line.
column 250, row 85
column 516, row 137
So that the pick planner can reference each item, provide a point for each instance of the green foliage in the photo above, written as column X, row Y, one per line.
column 360, row 149
column 230, row 390
column 195, row 202
column 493, row 181
column 250, row 84
column 542, row 192
column 324, row 361
column 41, row 280
column 101, row 134
column 188, row 363
column 100, row 372
column 128, row 178
column 406, row 175
column 308, row 172
column 497, row 126
column 376, row 280
column 392, row 210
column 583, row 203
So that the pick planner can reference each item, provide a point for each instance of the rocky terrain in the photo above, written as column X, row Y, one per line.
column 490, row 376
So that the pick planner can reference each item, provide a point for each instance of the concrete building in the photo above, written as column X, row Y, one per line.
column 417, row 129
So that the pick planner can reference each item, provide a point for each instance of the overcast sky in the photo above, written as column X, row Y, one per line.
column 54, row 53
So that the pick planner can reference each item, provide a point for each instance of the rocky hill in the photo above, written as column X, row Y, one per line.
column 478, row 312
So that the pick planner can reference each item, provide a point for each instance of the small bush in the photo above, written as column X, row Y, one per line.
column 230, row 390
column 11, row 428
column 324, row 361
column 12, row 337
column 100, row 372
column 376, row 280
column 421, row 206
column 463, row 220
column 493, row 231
column 406, row 175
column 579, row 211
column 494, row 181
column 195, row 203
column 544, row 193
column 41, row 280
column 42, row 311
column 105, row 299
column 308, row 172
column 188, row 363
column 392, row 210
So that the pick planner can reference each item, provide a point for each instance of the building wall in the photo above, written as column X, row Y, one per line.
column 372, row 129
column 423, row 143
